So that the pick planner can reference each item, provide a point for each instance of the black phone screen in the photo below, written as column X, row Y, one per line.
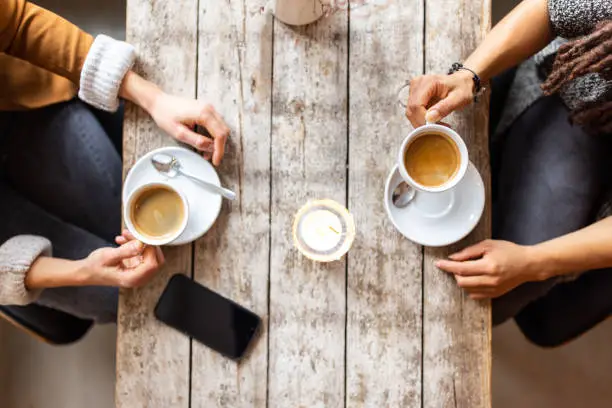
column 208, row 317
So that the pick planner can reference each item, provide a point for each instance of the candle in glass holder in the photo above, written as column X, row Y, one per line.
column 323, row 230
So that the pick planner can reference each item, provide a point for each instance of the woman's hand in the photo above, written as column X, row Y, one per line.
column 491, row 268
column 131, row 265
column 433, row 97
column 179, row 116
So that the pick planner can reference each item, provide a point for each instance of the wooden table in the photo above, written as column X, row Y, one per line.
column 313, row 114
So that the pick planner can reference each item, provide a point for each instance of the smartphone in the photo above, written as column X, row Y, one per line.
column 208, row 317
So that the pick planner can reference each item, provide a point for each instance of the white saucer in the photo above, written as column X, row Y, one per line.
column 455, row 224
column 204, row 207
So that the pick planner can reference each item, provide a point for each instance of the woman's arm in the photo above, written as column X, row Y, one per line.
column 492, row 268
column 583, row 250
column 523, row 32
column 178, row 116
column 27, row 267
column 101, row 69
column 129, row 265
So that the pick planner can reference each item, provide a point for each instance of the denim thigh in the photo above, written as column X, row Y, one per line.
column 551, row 177
column 20, row 216
column 61, row 159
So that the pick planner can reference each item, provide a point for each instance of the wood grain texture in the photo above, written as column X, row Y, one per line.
column 309, row 151
column 457, row 330
column 384, row 277
column 235, row 73
column 152, row 359
column 302, row 103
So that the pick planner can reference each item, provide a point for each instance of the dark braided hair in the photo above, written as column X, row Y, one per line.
column 588, row 54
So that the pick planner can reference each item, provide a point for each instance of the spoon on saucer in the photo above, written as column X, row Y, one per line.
column 402, row 195
column 171, row 167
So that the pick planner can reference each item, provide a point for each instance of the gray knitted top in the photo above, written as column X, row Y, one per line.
column 569, row 19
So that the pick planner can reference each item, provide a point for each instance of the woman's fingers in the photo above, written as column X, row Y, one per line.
column 476, row 282
column 466, row 268
column 455, row 100
column 161, row 259
column 212, row 121
column 140, row 272
column 478, row 287
column 480, row 296
column 185, row 135
column 125, row 237
column 474, row 251
column 115, row 256
column 423, row 92
column 128, row 235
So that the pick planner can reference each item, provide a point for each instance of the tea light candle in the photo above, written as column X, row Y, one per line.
column 323, row 230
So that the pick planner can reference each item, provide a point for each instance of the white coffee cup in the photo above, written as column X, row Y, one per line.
column 149, row 240
column 434, row 201
column 453, row 136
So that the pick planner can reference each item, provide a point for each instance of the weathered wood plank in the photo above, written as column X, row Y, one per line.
column 235, row 73
column 152, row 359
column 457, row 341
column 309, row 151
column 384, row 278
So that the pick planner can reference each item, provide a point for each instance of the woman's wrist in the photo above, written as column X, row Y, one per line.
column 466, row 79
column 47, row 272
column 539, row 267
column 140, row 91
column 480, row 68
column 547, row 261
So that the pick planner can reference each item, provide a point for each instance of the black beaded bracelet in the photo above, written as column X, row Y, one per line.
column 478, row 89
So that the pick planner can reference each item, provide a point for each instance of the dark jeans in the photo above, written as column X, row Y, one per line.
column 548, row 179
column 60, row 178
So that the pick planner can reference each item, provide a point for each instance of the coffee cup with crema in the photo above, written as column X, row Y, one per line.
column 433, row 160
column 156, row 213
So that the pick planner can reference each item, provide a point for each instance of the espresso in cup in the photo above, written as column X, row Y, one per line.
column 156, row 214
column 432, row 159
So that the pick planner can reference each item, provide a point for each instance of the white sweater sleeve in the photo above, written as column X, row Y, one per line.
column 16, row 256
column 106, row 64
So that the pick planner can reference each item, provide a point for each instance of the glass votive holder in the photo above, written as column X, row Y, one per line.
column 323, row 230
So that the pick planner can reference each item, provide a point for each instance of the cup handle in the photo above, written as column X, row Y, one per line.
column 402, row 95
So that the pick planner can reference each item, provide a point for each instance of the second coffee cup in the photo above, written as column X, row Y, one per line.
column 156, row 213
column 433, row 159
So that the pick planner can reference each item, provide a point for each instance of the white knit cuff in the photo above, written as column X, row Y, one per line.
column 106, row 64
column 16, row 257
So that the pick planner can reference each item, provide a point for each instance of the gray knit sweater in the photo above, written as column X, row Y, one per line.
column 106, row 64
column 569, row 19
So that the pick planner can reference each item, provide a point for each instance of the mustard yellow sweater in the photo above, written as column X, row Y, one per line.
column 44, row 59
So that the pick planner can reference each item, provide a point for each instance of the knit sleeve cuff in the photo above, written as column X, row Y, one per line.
column 106, row 64
column 16, row 257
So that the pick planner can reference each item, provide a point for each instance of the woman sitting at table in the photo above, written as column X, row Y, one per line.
column 550, row 150
column 60, row 162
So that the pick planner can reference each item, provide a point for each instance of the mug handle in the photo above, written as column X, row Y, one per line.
column 402, row 95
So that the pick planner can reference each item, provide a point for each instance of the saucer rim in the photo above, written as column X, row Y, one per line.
column 216, row 181
column 387, row 204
